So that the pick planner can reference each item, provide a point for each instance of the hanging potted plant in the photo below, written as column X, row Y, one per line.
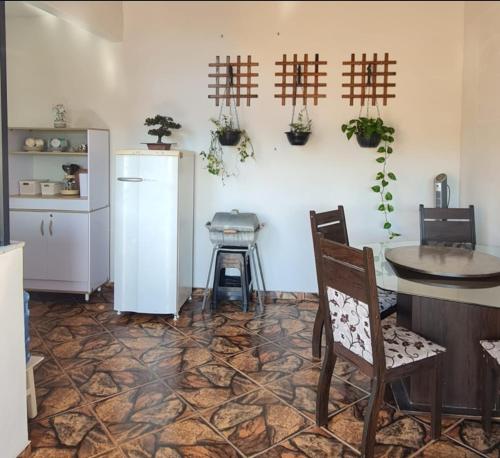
column 369, row 133
column 301, row 129
column 165, row 123
column 225, row 133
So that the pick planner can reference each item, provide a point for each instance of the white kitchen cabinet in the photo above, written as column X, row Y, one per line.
column 67, row 238
column 30, row 227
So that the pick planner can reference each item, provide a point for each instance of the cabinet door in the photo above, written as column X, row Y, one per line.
column 68, row 246
column 31, row 228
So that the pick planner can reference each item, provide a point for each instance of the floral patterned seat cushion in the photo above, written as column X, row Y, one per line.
column 402, row 346
column 351, row 328
column 386, row 299
column 493, row 348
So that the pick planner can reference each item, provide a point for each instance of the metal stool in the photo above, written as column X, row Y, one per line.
column 247, row 261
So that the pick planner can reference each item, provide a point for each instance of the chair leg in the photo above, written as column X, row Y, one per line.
column 317, row 334
column 323, row 390
column 488, row 394
column 436, row 399
column 370, row 428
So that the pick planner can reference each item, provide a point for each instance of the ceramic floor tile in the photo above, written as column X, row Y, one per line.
column 115, row 453
column 46, row 370
column 62, row 330
column 312, row 443
column 267, row 363
column 471, row 433
column 196, row 321
column 189, row 438
column 174, row 357
column 72, row 434
column 98, row 307
column 141, row 411
column 45, row 311
column 298, row 345
column 159, row 329
column 256, row 421
column 446, row 448
column 210, row 385
column 300, row 391
column 228, row 340
column 398, row 435
column 113, row 321
column 110, row 376
column 79, row 352
column 55, row 396
column 274, row 328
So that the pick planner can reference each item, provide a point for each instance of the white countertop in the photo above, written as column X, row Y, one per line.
column 152, row 152
column 13, row 246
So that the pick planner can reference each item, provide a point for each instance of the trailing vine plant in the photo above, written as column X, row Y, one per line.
column 370, row 132
column 215, row 156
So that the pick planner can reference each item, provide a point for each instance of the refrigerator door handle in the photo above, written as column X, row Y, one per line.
column 131, row 179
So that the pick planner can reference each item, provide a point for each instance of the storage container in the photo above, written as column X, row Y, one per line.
column 30, row 187
column 51, row 188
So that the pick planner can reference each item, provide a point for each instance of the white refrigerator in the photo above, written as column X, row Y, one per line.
column 153, row 225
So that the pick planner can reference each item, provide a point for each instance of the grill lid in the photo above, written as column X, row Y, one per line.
column 242, row 222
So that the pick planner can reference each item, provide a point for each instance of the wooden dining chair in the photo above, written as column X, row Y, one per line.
column 354, row 332
column 448, row 226
column 491, row 355
column 332, row 225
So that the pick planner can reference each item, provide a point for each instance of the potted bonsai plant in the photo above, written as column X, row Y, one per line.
column 165, row 123
column 300, row 130
column 368, row 131
column 225, row 134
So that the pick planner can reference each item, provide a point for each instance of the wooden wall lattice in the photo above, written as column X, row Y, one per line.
column 301, row 75
column 235, row 83
column 369, row 79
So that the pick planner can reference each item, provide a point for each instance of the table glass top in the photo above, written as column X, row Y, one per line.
column 459, row 291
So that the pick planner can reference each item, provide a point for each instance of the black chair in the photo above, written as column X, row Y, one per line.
column 454, row 227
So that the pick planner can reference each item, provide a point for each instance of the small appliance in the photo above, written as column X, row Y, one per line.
column 441, row 191
column 70, row 185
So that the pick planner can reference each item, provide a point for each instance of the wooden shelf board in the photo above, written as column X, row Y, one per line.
column 57, row 129
column 48, row 153
column 57, row 196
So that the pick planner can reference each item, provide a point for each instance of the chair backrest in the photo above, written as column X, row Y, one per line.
column 448, row 227
column 351, row 311
column 331, row 224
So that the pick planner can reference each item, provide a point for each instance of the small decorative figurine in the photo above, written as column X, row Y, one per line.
column 59, row 115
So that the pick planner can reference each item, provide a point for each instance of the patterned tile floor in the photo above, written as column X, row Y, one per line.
column 220, row 384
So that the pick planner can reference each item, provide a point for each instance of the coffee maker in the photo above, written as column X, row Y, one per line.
column 70, row 184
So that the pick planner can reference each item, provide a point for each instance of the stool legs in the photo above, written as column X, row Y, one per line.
column 260, row 268
column 31, row 393
column 206, row 293
column 256, row 277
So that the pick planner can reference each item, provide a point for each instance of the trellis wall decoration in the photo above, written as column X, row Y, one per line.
column 233, row 80
column 369, row 79
column 300, row 79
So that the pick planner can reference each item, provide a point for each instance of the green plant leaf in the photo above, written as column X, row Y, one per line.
column 381, row 150
column 390, row 208
column 387, row 225
column 391, row 176
column 389, row 150
column 344, row 127
column 349, row 134
column 379, row 175
column 381, row 207
column 376, row 188
column 388, row 196
column 380, row 160
column 384, row 183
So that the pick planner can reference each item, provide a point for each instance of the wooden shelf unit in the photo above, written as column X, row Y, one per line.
column 48, row 153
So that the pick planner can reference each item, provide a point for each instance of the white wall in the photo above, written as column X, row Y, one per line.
column 161, row 67
column 480, row 160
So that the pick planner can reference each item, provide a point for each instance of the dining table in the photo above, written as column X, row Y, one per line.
column 452, row 297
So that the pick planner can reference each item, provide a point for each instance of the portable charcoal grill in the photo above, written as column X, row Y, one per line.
column 237, row 231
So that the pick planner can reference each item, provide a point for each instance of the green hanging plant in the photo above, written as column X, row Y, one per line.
column 369, row 133
column 226, row 134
